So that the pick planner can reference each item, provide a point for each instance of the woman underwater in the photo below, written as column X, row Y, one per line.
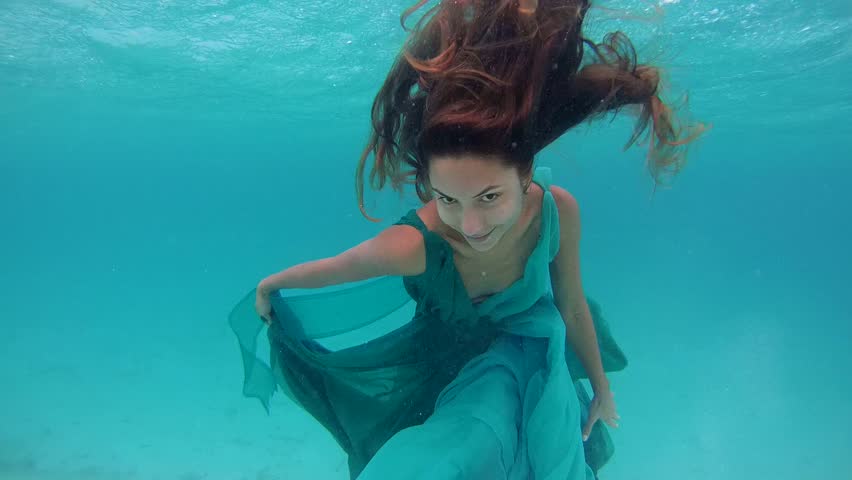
column 484, row 381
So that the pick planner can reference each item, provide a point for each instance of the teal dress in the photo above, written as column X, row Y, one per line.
column 461, row 391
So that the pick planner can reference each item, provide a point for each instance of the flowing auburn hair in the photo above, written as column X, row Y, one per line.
column 505, row 78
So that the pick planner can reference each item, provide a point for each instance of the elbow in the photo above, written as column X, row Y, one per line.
column 574, row 313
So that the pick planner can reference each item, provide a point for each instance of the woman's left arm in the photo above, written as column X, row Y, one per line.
column 571, row 302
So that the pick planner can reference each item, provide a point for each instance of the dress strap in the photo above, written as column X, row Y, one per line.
column 413, row 220
column 543, row 177
column 549, row 212
column 437, row 250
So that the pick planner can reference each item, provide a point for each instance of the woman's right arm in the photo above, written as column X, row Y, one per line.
column 397, row 250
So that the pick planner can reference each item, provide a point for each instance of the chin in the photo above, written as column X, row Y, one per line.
column 480, row 247
column 488, row 243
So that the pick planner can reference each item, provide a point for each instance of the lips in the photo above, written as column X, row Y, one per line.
column 480, row 238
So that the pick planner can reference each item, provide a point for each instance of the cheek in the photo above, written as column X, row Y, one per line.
column 443, row 216
column 448, row 216
column 506, row 214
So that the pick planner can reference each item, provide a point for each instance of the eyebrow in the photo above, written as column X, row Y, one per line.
column 486, row 189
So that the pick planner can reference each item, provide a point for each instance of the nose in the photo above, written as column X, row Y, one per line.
column 473, row 224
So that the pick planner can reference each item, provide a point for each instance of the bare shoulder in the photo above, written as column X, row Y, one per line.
column 399, row 250
column 569, row 212
column 428, row 213
column 566, row 202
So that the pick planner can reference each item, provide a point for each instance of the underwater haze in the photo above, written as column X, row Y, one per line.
column 159, row 158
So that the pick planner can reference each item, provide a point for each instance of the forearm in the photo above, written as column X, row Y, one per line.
column 396, row 251
column 344, row 268
column 313, row 274
column 581, row 335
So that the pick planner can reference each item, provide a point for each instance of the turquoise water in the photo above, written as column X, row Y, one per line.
column 158, row 159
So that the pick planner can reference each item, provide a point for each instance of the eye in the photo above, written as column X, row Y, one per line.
column 490, row 197
column 446, row 200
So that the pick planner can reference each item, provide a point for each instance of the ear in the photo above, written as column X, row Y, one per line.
column 526, row 183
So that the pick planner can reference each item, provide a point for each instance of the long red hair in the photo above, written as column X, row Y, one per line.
column 506, row 78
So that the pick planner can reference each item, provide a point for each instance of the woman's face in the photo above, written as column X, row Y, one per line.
column 479, row 197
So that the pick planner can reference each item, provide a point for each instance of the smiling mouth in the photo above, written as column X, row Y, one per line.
column 480, row 238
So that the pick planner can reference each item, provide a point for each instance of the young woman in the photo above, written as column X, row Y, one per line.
column 484, row 381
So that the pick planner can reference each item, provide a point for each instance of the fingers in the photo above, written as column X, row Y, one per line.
column 611, row 419
column 590, row 422
column 587, row 430
column 267, row 317
column 595, row 415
